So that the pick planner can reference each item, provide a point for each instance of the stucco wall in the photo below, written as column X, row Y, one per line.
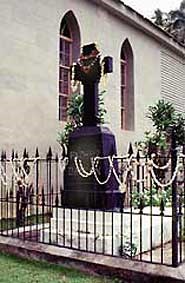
column 29, row 53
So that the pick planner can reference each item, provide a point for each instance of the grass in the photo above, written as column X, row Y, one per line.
column 16, row 270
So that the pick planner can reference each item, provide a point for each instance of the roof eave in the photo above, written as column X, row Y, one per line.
column 135, row 19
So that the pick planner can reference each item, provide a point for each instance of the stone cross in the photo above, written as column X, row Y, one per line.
column 90, row 140
column 88, row 70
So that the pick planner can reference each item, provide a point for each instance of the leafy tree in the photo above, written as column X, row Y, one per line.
column 182, row 6
column 164, row 118
column 172, row 22
column 158, row 17
column 161, row 114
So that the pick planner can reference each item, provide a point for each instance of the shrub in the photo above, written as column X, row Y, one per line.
column 75, row 114
column 153, row 197
column 165, row 119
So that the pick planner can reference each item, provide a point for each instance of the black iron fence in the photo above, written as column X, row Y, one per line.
column 148, row 224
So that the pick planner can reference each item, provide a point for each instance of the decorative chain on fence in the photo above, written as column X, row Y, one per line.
column 152, row 196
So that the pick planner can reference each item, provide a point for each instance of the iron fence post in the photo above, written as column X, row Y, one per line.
column 174, row 203
column 37, row 190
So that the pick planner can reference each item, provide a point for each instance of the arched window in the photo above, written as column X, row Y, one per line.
column 127, row 87
column 69, row 52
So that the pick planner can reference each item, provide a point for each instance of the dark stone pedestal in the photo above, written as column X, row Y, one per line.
column 79, row 192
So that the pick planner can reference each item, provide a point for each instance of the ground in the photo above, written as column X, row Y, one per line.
column 16, row 270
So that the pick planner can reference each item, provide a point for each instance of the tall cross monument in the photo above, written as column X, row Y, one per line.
column 90, row 140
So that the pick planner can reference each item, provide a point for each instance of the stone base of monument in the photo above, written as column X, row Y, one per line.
column 108, row 232
column 79, row 192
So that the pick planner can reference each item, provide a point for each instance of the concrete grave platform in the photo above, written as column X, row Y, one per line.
column 109, row 232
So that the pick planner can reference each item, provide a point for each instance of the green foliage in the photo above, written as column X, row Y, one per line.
column 179, row 126
column 101, row 108
column 164, row 118
column 17, row 270
column 64, row 135
column 158, row 17
column 153, row 197
column 173, row 22
column 157, row 139
column 162, row 115
column 128, row 249
column 75, row 110
column 11, row 223
column 75, row 114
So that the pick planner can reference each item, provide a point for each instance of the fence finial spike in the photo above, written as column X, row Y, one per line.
column 150, row 149
column 11, row 193
column 56, row 200
column 138, row 155
column 7, row 196
column 49, row 155
column 183, row 149
column 56, row 157
column 24, row 153
column 37, row 152
column 43, row 196
column 2, row 155
column 13, row 154
column 16, row 154
column 130, row 150
column 64, row 151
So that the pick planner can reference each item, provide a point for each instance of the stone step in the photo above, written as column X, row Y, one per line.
column 137, row 229
column 105, row 228
column 87, row 242
column 91, row 215
column 86, row 215
column 141, row 227
column 76, row 225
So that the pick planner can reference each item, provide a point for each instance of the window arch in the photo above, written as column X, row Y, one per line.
column 127, row 87
column 69, row 51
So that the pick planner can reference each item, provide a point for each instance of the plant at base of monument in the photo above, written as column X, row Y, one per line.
column 63, row 136
column 155, row 139
column 75, row 114
column 152, row 197
column 164, row 118
column 128, row 249
column 101, row 108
